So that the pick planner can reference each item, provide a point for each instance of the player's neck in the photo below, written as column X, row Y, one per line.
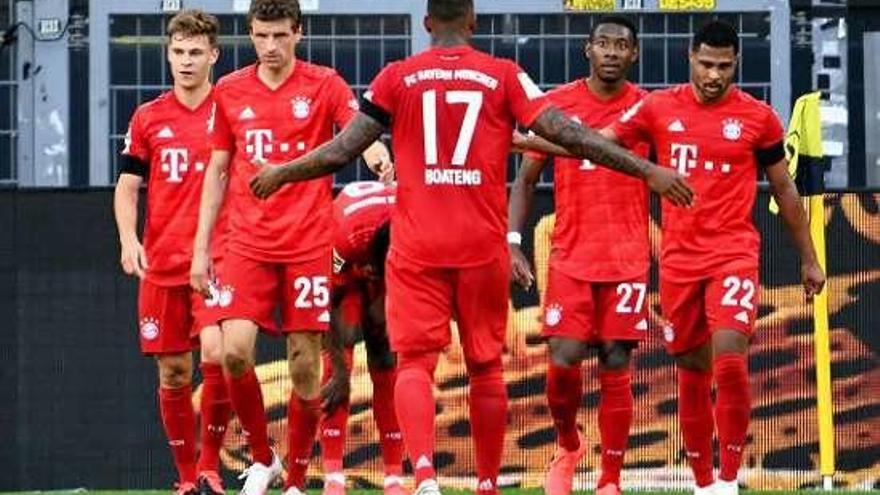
column 711, row 101
column 273, row 78
column 192, row 98
column 605, row 90
column 449, row 38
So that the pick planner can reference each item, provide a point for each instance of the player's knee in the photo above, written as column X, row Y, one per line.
column 699, row 359
column 566, row 352
column 175, row 371
column 212, row 352
column 235, row 362
column 615, row 356
column 729, row 341
column 305, row 369
column 484, row 368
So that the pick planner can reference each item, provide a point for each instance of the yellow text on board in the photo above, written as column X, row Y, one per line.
column 589, row 5
column 687, row 4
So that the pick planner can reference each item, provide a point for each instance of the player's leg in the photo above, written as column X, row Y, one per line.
column 305, row 313
column 418, row 310
column 622, row 321
column 688, row 341
column 382, row 364
column 732, row 302
column 568, row 327
column 215, row 410
column 165, row 323
column 481, row 304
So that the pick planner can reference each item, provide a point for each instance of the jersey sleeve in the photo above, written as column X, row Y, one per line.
column 219, row 131
column 137, row 145
column 769, row 148
column 382, row 93
column 634, row 126
column 344, row 104
column 526, row 99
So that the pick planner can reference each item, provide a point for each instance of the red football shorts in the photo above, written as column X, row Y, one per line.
column 594, row 312
column 254, row 290
column 422, row 300
column 363, row 306
column 694, row 310
column 165, row 319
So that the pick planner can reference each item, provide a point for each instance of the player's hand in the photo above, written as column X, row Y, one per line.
column 384, row 170
column 519, row 144
column 268, row 180
column 671, row 185
column 336, row 391
column 519, row 268
column 201, row 274
column 133, row 258
column 813, row 279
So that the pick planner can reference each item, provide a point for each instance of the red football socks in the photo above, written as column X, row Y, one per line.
column 564, row 385
column 615, row 419
column 732, row 411
column 697, row 423
column 488, row 415
column 247, row 401
column 334, row 427
column 390, row 438
column 215, row 411
column 415, row 407
column 178, row 418
column 302, row 425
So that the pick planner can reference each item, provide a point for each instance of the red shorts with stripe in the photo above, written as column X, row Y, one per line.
column 296, row 293
column 693, row 310
column 594, row 312
column 422, row 300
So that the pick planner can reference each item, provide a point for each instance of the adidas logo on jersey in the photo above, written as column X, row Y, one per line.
column 676, row 126
column 742, row 317
column 642, row 326
column 166, row 133
column 247, row 114
column 423, row 463
column 324, row 317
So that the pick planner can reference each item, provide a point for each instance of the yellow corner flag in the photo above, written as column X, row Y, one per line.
column 803, row 149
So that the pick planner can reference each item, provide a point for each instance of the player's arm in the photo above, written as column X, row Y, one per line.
column 530, row 142
column 327, row 159
column 522, row 195
column 133, row 258
column 213, row 193
column 792, row 212
column 583, row 142
column 337, row 390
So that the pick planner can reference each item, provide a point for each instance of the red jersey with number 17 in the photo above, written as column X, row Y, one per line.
column 601, row 232
column 260, row 125
column 172, row 139
column 453, row 111
column 716, row 146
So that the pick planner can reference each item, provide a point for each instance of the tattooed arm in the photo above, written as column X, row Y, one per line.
column 327, row 159
column 583, row 142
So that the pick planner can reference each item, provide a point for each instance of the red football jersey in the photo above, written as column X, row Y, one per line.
column 453, row 112
column 359, row 211
column 173, row 140
column 259, row 125
column 601, row 232
column 715, row 146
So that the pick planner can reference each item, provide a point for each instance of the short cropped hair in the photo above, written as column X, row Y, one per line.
column 449, row 10
column 193, row 22
column 274, row 10
column 717, row 34
column 618, row 20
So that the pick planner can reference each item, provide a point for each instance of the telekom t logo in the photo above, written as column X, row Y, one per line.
column 683, row 157
column 174, row 163
column 258, row 143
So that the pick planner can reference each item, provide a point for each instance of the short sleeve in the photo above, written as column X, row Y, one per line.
column 383, row 90
column 137, row 145
column 219, row 131
column 345, row 105
column 634, row 125
column 525, row 98
column 773, row 133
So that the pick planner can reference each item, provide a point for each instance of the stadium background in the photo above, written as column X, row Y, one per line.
column 79, row 406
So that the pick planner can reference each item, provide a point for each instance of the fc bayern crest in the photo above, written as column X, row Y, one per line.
column 149, row 328
column 732, row 129
column 553, row 315
column 301, row 107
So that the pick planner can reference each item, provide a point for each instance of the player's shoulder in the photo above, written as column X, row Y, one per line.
column 153, row 109
column 636, row 91
column 315, row 72
column 568, row 88
column 747, row 101
column 236, row 77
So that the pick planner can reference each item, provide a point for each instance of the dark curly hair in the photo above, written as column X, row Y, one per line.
column 273, row 10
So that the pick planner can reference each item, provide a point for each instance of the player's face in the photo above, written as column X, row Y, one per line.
column 191, row 59
column 712, row 71
column 275, row 42
column 611, row 52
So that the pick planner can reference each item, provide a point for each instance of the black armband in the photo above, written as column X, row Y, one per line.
column 134, row 166
column 376, row 112
column 770, row 156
